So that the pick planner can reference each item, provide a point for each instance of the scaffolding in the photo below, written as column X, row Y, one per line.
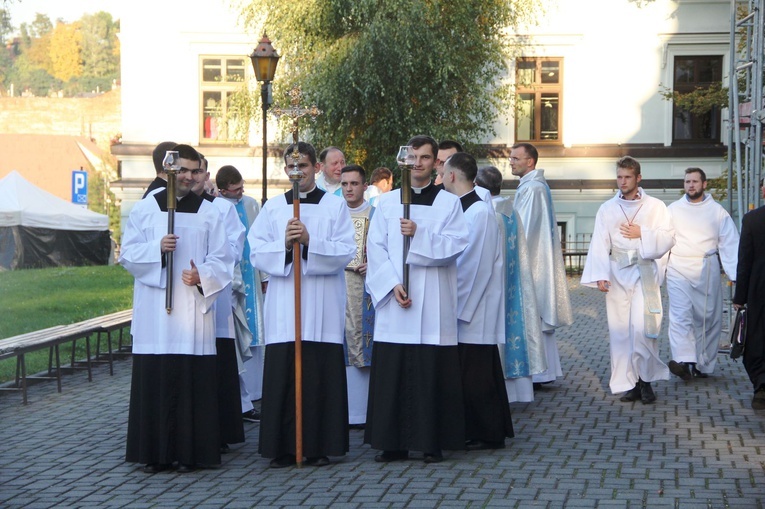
column 746, row 113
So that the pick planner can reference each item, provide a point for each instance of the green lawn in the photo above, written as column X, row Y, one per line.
column 38, row 298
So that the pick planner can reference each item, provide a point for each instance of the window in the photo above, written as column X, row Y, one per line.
column 221, row 77
column 538, row 102
column 691, row 73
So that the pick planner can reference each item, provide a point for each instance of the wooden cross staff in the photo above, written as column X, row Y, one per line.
column 296, row 112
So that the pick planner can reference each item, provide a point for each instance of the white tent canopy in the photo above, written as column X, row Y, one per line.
column 24, row 204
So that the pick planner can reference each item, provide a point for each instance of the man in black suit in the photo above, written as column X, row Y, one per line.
column 750, row 292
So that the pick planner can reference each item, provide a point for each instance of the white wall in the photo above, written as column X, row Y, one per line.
column 616, row 57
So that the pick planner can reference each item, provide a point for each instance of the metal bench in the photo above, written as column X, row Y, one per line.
column 53, row 337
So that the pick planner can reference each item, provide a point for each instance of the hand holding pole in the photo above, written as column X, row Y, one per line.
column 405, row 160
column 295, row 176
column 171, row 165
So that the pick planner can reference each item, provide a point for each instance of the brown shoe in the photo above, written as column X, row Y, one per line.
column 681, row 369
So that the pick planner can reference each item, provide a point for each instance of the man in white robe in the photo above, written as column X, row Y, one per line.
column 627, row 258
column 480, row 312
column 325, row 235
column 415, row 394
column 533, row 202
column 703, row 229
column 523, row 349
column 229, row 404
column 248, row 296
column 331, row 163
column 359, row 313
column 173, row 416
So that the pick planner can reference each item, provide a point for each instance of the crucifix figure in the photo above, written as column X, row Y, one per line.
column 295, row 111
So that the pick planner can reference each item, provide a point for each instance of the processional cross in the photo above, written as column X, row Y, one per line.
column 295, row 112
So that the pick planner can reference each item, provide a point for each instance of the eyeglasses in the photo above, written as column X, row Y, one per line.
column 193, row 172
column 301, row 166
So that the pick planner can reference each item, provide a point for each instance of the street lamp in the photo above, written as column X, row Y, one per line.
column 264, row 59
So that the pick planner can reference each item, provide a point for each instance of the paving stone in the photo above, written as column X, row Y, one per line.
column 576, row 446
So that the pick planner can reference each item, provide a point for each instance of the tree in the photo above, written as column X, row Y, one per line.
column 99, row 39
column 41, row 26
column 6, row 28
column 26, row 75
column 65, row 52
column 383, row 70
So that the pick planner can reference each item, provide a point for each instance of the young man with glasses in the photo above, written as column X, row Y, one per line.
column 248, row 295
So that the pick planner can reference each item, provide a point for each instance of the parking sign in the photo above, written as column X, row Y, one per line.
column 80, row 187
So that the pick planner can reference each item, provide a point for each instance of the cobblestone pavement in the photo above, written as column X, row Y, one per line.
column 700, row 445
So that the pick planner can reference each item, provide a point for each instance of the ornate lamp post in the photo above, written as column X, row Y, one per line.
column 264, row 59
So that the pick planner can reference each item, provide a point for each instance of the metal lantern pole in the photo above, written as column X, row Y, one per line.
column 264, row 59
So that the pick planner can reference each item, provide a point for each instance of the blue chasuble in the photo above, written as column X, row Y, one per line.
column 516, row 351
column 248, row 277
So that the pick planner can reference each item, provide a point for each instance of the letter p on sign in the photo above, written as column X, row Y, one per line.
column 80, row 188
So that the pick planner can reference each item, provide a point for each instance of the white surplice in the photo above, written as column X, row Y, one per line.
column 702, row 231
column 331, row 247
column 235, row 232
column 480, row 307
column 190, row 327
column 633, row 354
column 440, row 237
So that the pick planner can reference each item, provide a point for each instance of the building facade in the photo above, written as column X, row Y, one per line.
column 588, row 80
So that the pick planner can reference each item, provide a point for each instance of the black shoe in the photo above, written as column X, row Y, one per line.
column 631, row 395
column 318, row 461
column 283, row 461
column 481, row 445
column 646, row 393
column 681, row 369
column 225, row 449
column 434, row 457
column 251, row 416
column 185, row 469
column 387, row 456
column 155, row 468
column 758, row 400
column 697, row 373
